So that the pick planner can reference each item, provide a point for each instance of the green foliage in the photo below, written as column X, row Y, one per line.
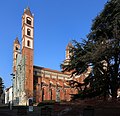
column 75, row 59
column 101, row 52
column 1, row 86
column 106, row 35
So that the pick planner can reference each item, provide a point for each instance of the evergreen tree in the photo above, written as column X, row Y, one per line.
column 102, row 52
column 1, row 86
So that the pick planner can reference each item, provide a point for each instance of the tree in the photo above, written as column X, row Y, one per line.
column 1, row 86
column 102, row 52
column 105, row 32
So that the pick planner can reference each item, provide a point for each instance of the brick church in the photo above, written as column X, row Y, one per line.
column 30, row 81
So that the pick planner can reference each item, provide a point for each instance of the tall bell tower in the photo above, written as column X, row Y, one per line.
column 16, row 49
column 68, row 48
column 68, row 54
column 27, row 49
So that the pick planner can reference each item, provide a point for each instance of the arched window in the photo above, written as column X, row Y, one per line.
column 28, row 20
column 28, row 32
column 43, row 94
column 28, row 43
column 16, row 48
column 50, row 92
column 16, row 55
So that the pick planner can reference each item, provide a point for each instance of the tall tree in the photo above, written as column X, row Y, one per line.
column 1, row 86
column 105, row 32
column 102, row 52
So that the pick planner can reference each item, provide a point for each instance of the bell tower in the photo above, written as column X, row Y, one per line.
column 27, row 49
column 16, row 48
column 68, row 53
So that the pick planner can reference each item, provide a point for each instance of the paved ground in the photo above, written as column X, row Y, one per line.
column 6, row 112
column 75, row 111
column 68, row 109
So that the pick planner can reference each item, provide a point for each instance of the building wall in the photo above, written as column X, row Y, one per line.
column 23, row 80
column 38, row 82
column 27, row 49
column 8, row 95
column 51, row 85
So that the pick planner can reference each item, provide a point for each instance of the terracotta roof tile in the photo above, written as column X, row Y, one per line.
column 28, row 12
column 51, row 70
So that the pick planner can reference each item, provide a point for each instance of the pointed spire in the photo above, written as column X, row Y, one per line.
column 69, row 45
column 27, row 11
column 16, row 41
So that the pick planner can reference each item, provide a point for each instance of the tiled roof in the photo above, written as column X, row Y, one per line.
column 51, row 70
column 28, row 12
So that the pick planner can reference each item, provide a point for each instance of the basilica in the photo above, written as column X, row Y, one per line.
column 36, row 82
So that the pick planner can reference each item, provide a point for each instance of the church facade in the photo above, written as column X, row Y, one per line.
column 30, row 81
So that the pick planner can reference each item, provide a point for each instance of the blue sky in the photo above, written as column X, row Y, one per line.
column 56, row 22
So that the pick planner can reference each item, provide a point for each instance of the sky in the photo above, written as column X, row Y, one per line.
column 56, row 23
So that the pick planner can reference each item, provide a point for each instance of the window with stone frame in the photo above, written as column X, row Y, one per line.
column 28, row 32
column 28, row 43
column 28, row 20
